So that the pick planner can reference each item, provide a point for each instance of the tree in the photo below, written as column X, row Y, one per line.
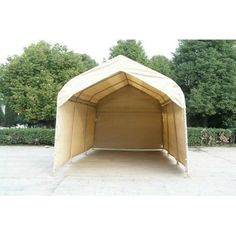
column 31, row 81
column 2, row 118
column 206, row 71
column 11, row 117
column 162, row 65
column 88, row 62
column 130, row 48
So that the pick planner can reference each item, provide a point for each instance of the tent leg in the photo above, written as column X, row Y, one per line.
column 186, row 173
column 177, row 162
column 54, row 172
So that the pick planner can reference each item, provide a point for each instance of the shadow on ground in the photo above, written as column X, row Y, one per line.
column 126, row 164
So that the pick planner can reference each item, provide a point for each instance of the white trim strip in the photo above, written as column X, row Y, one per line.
column 129, row 149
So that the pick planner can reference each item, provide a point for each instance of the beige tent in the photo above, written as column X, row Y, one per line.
column 120, row 104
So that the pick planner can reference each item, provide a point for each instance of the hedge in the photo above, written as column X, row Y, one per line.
column 32, row 136
column 40, row 136
column 210, row 136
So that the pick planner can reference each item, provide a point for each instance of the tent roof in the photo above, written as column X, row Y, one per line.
column 93, row 85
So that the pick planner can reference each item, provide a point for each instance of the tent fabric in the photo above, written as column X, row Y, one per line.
column 120, row 104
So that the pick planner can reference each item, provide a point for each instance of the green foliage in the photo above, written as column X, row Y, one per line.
column 162, row 65
column 88, row 62
column 209, row 137
column 130, row 48
column 233, row 136
column 10, row 118
column 206, row 71
column 30, row 82
column 2, row 70
column 32, row 136
column 2, row 117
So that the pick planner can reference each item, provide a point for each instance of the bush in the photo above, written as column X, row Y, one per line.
column 209, row 136
column 41, row 136
column 32, row 136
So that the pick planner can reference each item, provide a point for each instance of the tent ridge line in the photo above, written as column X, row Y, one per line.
column 81, row 101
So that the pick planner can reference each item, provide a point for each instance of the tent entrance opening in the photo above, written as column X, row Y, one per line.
column 128, row 118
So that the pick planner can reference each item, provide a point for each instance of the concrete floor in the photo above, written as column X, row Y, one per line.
column 27, row 170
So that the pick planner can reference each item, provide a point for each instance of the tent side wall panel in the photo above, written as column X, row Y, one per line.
column 165, row 129
column 83, row 128
column 176, row 132
column 90, row 127
column 172, row 142
column 181, row 135
column 63, row 136
column 78, row 134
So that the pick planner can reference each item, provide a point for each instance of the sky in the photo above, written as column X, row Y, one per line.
column 93, row 27
column 90, row 27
